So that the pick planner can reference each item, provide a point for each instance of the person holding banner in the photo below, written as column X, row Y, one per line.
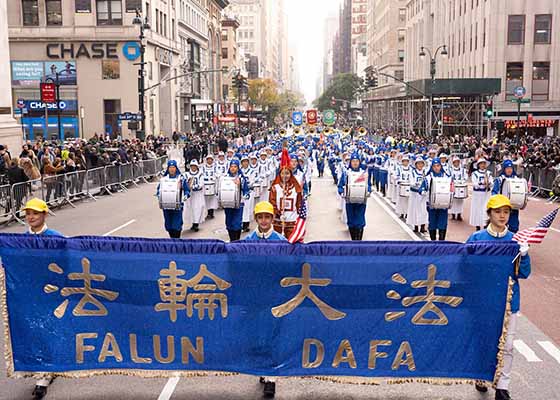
column 264, row 215
column 174, row 218
column 355, row 212
column 234, row 216
column 508, row 171
column 499, row 210
column 36, row 212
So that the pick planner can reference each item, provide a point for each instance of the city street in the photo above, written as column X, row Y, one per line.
column 136, row 213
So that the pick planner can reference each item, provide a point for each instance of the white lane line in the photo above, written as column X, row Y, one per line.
column 404, row 226
column 551, row 349
column 555, row 230
column 168, row 389
column 526, row 351
column 120, row 227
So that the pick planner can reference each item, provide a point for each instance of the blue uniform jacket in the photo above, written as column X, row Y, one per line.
column 274, row 236
column 513, row 223
column 524, row 264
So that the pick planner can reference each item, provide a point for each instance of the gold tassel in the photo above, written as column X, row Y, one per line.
column 503, row 338
column 8, row 355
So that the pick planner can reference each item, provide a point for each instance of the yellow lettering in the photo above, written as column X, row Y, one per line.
column 81, row 347
column 134, row 351
column 305, row 362
column 344, row 354
column 374, row 354
column 187, row 350
column 110, row 348
column 170, row 350
column 404, row 351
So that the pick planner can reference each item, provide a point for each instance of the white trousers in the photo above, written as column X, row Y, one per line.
column 505, row 377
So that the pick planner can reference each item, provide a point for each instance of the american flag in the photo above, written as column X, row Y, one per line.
column 299, row 232
column 536, row 235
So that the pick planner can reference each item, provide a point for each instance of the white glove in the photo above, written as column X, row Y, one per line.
column 185, row 198
column 524, row 249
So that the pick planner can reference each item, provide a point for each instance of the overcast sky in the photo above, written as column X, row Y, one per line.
column 306, row 20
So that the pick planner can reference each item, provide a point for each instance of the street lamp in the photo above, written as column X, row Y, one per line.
column 144, row 25
column 441, row 50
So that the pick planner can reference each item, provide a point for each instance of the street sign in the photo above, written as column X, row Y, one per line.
column 329, row 117
column 48, row 92
column 311, row 117
column 522, row 101
column 297, row 118
column 519, row 92
column 128, row 116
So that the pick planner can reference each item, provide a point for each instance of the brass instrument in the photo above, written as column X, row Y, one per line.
column 311, row 130
column 297, row 130
column 282, row 132
column 362, row 131
column 327, row 131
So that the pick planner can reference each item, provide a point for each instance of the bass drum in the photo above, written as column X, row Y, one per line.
column 356, row 188
column 170, row 194
column 441, row 195
column 517, row 191
column 461, row 190
column 229, row 193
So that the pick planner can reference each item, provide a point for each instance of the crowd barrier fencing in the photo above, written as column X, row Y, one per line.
column 58, row 190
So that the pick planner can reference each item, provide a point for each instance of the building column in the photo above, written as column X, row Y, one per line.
column 10, row 130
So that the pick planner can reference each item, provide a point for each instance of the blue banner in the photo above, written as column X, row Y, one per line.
column 395, row 310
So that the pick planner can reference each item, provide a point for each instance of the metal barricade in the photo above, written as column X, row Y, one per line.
column 126, row 174
column 95, row 181
column 113, row 179
column 5, row 203
column 149, row 168
column 54, row 190
column 75, row 185
column 138, row 171
column 20, row 193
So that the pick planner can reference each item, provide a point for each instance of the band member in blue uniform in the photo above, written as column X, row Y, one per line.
column 508, row 171
column 498, row 211
column 234, row 216
column 437, row 218
column 355, row 213
column 174, row 218
column 320, row 158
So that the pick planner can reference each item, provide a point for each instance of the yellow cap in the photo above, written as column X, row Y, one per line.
column 264, row 207
column 498, row 201
column 36, row 205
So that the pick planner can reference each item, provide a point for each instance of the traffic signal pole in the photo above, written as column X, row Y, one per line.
column 518, row 130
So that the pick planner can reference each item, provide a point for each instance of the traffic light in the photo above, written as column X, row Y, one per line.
column 489, row 109
column 371, row 81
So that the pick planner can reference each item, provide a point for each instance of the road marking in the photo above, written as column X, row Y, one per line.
column 551, row 349
column 555, row 230
column 168, row 389
column 404, row 226
column 526, row 351
column 120, row 227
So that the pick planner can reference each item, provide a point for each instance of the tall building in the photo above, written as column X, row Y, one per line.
column 342, row 47
column 230, row 56
column 359, row 36
column 512, row 40
column 328, row 46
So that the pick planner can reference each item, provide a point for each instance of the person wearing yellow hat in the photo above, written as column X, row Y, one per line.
column 264, row 215
column 36, row 211
column 498, row 209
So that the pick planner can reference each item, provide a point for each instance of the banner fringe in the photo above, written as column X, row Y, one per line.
column 503, row 338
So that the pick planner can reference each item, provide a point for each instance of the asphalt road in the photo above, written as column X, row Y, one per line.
column 135, row 213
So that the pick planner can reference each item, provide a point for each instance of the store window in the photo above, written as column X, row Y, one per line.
column 541, row 81
column 109, row 12
column 543, row 28
column 514, row 78
column 516, row 29
column 30, row 11
column 112, row 109
column 54, row 12
column 110, row 69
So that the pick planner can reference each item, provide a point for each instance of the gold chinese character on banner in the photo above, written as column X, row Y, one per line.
column 204, row 297
column 89, row 294
column 305, row 293
column 430, row 299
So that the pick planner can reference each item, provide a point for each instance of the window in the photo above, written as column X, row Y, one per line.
column 54, row 12
column 516, row 29
column 83, row 6
column 224, row 52
column 399, row 74
column 401, row 55
column 30, row 11
column 224, row 35
column 543, row 27
column 541, row 79
column 133, row 5
column 110, row 69
column 109, row 12
column 402, row 14
column 401, row 35
column 112, row 109
column 514, row 78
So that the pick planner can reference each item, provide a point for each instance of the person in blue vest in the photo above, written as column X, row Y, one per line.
column 508, row 171
column 437, row 218
column 355, row 213
column 174, row 218
column 499, row 210
column 36, row 213
column 234, row 216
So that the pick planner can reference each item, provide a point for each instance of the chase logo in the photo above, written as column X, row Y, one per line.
column 131, row 50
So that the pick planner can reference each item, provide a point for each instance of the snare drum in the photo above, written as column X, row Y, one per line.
column 404, row 189
column 461, row 190
column 229, row 193
column 440, row 193
column 170, row 194
column 210, row 188
column 257, row 191
column 516, row 189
